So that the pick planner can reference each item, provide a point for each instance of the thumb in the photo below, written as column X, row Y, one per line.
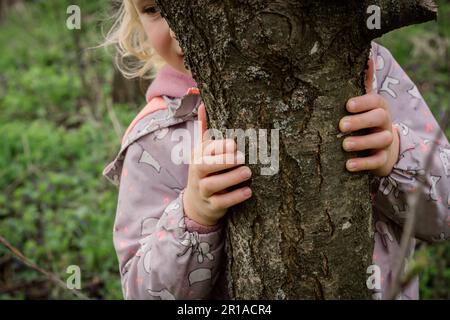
column 203, row 121
column 369, row 76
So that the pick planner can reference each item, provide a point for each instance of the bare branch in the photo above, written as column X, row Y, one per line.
column 401, row 13
column 52, row 277
column 113, row 117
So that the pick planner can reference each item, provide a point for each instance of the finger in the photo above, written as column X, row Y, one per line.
column 219, row 182
column 370, row 119
column 366, row 102
column 378, row 140
column 217, row 147
column 375, row 161
column 369, row 76
column 215, row 163
column 203, row 127
column 201, row 135
column 229, row 199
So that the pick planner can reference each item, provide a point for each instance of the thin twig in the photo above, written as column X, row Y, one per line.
column 113, row 117
column 20, row 180
column 54, row 278
column 397, row 283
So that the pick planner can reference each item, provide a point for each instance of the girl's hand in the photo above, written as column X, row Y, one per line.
column 373, row 113
column 206, row 199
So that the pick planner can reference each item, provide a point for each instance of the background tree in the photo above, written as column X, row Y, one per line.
column 291, row 65
column 5, row 5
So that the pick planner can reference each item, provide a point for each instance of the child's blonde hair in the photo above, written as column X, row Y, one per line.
column 135, row 56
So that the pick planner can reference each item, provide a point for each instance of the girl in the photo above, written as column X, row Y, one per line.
column 168, row 232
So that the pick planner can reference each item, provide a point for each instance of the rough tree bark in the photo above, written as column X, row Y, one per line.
column 291, row 65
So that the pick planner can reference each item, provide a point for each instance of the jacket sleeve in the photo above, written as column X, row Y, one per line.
column 162, row 254
column 418, row 131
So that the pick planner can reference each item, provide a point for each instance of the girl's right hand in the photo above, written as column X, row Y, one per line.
column 206, row 199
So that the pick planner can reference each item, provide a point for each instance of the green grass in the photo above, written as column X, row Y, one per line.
column 55, row 206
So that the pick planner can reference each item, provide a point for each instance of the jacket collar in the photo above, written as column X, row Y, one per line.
column 170, row 82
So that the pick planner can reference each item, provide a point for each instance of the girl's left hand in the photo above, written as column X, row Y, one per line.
column 383, row 140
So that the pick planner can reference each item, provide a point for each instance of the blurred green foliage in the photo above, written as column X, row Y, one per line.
column 55, row 206
column 57, row 136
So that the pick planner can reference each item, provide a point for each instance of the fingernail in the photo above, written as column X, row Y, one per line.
column 346, row 125
column 246, row 173
column 351, row 164
column 348, row 145
column 247, row 192
column 351, row 105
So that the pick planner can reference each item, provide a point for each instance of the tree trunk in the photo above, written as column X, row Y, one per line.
column 128, row 90
column 5, row 6
column 291, row 65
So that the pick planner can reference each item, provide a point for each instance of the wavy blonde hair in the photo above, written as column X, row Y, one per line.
column 135, row 57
